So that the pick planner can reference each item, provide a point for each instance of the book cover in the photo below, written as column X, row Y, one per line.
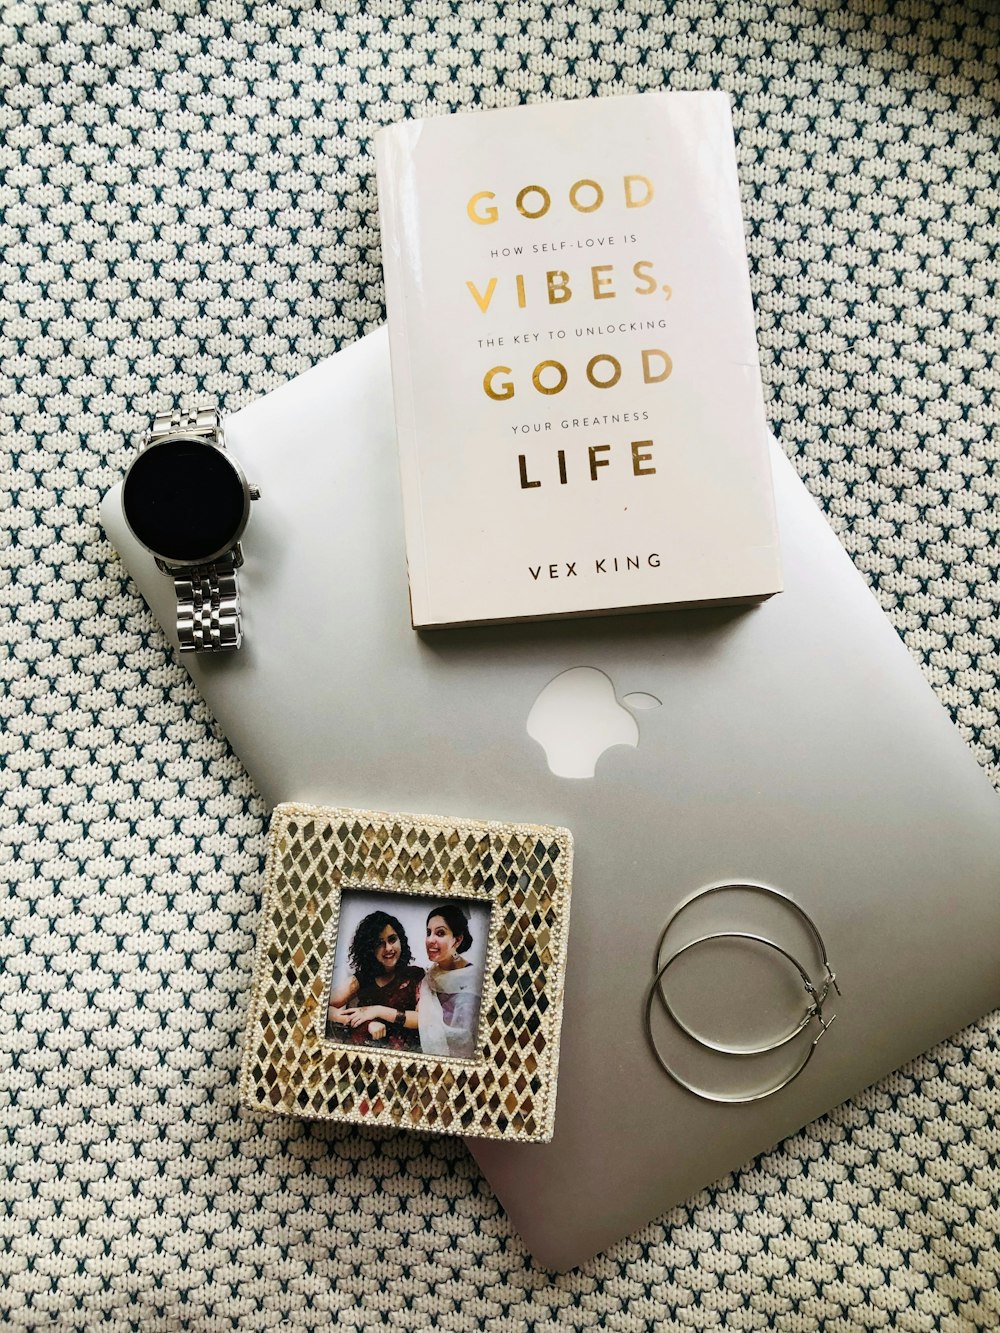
column 578, row 396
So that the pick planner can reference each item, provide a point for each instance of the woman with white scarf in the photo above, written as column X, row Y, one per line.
column 448, row 1002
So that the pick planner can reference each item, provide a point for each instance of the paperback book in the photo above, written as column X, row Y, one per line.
column 577, row 389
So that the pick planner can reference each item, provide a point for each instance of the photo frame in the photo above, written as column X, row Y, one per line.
column 328, row 867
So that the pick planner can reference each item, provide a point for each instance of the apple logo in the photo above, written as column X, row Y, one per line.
column 577, row 717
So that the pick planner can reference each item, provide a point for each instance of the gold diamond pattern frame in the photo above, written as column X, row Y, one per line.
column 523, row 871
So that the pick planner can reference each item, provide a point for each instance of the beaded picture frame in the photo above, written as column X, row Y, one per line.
column 294, row 1063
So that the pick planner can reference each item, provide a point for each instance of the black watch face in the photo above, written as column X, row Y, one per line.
column 184, row 500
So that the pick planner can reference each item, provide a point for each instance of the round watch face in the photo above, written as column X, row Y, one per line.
column 185, row 500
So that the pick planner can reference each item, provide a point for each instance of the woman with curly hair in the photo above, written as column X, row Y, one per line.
column 378, row 1003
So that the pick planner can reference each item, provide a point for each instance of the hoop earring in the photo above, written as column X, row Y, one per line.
column 816, row 1012
column 821, row 992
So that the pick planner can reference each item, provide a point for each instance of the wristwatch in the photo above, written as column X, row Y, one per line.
column 185, row 498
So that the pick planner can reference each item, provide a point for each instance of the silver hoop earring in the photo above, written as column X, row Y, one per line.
column 816, row 1011
column 818, row 992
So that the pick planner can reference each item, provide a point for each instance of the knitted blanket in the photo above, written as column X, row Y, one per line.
column 187, row 206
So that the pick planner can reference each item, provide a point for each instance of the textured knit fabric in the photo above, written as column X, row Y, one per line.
column 187, row 206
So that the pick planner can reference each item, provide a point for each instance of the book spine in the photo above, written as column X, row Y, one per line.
column 393, row 163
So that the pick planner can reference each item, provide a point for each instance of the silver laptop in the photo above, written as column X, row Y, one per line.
column 795, row 744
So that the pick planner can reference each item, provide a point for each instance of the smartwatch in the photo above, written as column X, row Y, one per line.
column 186, row 500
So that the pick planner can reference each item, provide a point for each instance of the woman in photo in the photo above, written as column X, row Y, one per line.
column 448, row 1002
column 378, row 1003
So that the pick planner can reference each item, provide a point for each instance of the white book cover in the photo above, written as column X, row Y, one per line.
column 577, row 388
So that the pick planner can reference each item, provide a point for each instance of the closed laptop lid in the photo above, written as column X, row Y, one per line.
column 795, row 744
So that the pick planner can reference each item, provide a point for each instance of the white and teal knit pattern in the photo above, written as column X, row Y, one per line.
column 187, row 204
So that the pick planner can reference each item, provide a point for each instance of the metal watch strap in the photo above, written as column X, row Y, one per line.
column 201, row 421
column 208, row 596
column 208, row 608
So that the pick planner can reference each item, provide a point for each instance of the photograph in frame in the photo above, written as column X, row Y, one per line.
column 408, row 973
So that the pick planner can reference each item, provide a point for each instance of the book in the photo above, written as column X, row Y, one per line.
column 578, row 398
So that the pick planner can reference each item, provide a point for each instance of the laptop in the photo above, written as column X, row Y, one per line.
column 794, row 744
